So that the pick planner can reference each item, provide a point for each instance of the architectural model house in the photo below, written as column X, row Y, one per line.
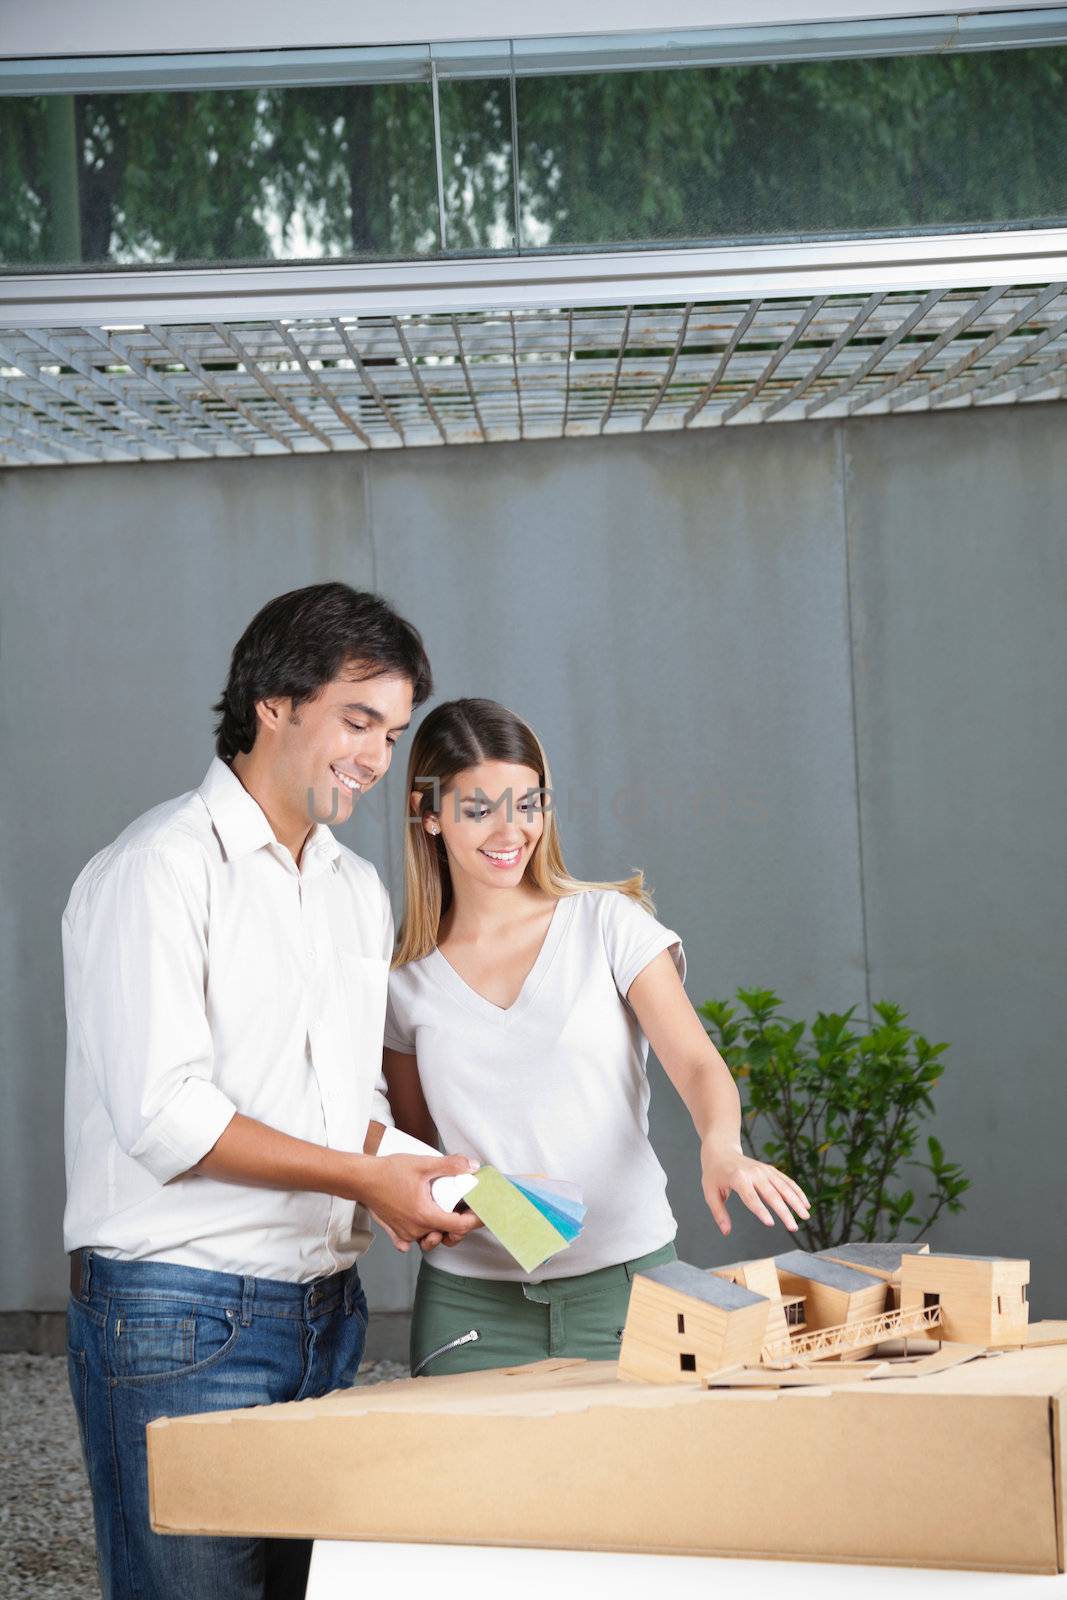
column 833, row 1294
column 684, row 1323
column 982, row 1299
column 797, row 1309
column 785, row 1313
column 880, row 1260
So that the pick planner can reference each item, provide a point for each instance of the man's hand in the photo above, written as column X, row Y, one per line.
column 397, row 1193
column 395, row 1189
column 430, row 1241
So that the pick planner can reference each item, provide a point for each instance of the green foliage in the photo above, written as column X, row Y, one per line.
column 782, row 149
column 840, row 1114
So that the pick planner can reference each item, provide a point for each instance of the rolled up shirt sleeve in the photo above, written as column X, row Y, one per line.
column 140, row 1007
column 380, row 1110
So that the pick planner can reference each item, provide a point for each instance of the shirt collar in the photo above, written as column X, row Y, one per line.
column 242, row 824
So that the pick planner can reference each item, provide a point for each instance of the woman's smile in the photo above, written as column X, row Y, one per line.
column 503, row 858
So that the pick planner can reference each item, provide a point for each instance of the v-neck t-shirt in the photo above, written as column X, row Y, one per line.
column 554, row 1084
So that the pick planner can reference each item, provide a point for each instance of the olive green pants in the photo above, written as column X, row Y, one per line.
column 462, row 1324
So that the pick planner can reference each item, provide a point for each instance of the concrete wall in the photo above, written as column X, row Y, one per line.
column 809, row 677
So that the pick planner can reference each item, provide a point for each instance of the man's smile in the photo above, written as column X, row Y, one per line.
column 353, row 784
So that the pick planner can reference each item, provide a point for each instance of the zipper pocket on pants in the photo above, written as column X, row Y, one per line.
column 464, row 1338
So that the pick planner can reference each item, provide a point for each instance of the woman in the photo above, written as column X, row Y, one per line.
column 521, row 1007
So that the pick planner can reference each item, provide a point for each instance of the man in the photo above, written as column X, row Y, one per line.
column 225, row 968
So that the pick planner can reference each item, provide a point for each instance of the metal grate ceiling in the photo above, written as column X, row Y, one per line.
column 318, row 384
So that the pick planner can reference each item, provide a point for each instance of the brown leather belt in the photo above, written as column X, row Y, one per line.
column 76, row 1273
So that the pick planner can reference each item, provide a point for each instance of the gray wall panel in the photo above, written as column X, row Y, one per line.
column 959, row 578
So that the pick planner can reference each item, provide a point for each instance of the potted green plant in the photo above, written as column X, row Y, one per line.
column 839, row 1112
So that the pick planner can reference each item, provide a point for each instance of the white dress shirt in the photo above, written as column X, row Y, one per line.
column 205, row 973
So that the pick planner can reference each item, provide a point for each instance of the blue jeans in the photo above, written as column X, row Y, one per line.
column 147, row 1339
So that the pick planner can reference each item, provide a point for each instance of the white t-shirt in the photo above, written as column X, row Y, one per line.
column 554, row 1084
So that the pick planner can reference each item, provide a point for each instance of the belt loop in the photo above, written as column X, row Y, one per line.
column 87, row 1274
column 350, row 1278
column 248, row 1296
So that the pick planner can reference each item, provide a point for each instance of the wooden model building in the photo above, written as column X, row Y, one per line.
column 683, row 1323
column 982, row 1299
column 833, row 1294
column 880, row 1260
column 785, row 1312
column 686, row 1325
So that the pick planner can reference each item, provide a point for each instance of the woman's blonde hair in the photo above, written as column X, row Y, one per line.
column 458, row 735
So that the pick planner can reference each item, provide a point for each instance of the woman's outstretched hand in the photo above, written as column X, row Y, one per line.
column 726, row 1170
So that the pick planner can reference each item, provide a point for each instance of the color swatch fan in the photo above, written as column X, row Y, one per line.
column 532, row 1216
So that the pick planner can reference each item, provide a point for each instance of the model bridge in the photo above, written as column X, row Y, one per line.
column 826, row 1342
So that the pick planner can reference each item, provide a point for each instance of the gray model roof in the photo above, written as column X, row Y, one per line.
column 882, row 1256
column 958, row 1255
column 887, row 1256
column 700, row 1285
column 804, row 1265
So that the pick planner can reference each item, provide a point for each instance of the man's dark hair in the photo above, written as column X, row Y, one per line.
column 301, row 641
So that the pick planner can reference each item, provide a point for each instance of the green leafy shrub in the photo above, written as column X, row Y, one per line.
column 839, row 1113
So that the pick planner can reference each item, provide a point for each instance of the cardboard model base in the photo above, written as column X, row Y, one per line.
column 953, row 1468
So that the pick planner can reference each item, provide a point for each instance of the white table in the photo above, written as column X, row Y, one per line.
column 342, row 1568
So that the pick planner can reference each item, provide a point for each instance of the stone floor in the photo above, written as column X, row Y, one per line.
column 46, row 1521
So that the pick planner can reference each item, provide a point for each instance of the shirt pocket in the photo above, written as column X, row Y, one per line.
column 364, row 988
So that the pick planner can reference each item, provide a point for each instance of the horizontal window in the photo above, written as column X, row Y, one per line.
column 217, row 177
column 796, row 150
column 482, row 154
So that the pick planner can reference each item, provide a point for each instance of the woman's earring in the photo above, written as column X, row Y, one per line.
column 434, row 828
